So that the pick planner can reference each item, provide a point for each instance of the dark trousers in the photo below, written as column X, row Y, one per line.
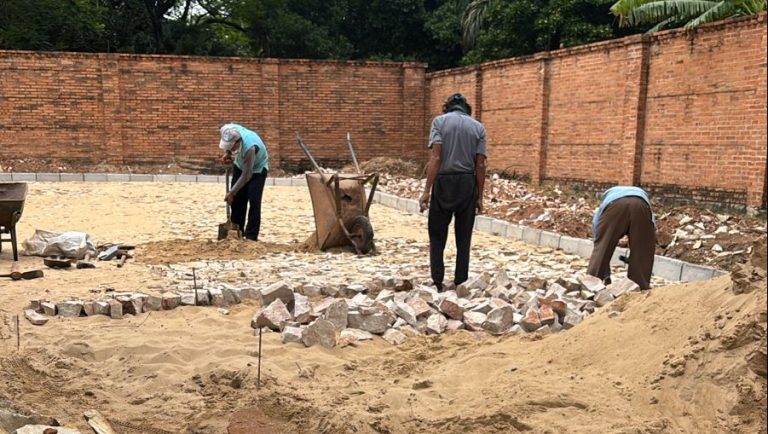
column 452, row 196
column 250, row 194
column 626, row 216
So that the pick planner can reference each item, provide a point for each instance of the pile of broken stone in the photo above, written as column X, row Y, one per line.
column 396, row 309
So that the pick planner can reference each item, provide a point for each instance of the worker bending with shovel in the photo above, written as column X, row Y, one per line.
column 624, row 211
column 248, row 155
column 455, row 181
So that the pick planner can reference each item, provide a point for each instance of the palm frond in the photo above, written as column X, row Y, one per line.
column 722, row 10
column 682, row 10
column 662, row 25
column 472, row 21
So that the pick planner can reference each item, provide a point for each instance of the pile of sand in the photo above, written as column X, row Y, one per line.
column 180, row 250
column 391, row 166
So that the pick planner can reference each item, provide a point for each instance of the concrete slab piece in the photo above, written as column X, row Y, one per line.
column 270, row 181
column 531, row 236
column 6, row 177
column 164, row 178
column 24, row 177
column 118, row 177
column 514, row 231
column 668, row 268
column 208, row 178
column 483, row 224
column 550, row 239
column 283, row 182
column 186, row 178
column 691, row 272
column 389, row 200
column 584, row 248
column 299, row 182
column 412, row 206
column 569, row 245
column 95, row 177
column 139, row 177
column 48, row 177
column 72, row 177
column 499, row 227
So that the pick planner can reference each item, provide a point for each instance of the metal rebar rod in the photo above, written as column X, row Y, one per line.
column 258, row 370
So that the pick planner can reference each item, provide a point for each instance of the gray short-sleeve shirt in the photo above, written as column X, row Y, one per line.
column 462, row 137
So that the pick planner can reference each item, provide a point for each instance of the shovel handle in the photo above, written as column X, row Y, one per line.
column 226, row 188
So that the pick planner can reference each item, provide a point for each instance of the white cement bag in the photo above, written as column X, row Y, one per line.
column 68, row 244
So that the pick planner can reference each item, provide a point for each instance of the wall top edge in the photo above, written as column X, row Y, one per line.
column 210, row 59
column 641, row 38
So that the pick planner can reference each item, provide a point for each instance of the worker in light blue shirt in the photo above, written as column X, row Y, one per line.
column 250, row 163
column 625, row 210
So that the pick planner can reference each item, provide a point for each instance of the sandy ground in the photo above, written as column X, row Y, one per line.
column 672, row 360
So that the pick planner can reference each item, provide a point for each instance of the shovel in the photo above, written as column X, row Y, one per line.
column 225, row 228
column 15, row 274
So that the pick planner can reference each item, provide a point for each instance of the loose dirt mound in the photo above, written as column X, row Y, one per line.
column 391, row 166
column 172, row 251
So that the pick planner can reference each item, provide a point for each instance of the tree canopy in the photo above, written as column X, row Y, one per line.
column 444, row 33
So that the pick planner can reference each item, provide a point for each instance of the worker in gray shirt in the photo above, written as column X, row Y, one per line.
column 455, row 181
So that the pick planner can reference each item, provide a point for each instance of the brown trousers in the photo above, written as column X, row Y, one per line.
column 631, row 216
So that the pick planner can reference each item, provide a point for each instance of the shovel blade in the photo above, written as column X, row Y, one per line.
column 226, row 228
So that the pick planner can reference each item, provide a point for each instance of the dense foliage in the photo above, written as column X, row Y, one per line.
column 444, row 33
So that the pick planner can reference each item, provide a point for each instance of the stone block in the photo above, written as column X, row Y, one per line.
column 69, row 308
column 118, row 177
column 164, row 178
column 72, row 177
column 514, row 231
column 558, row 306
column 171, row 300
column 6, row 177
column 217, row 296
column 23, row 177
column 499, row 227
column 95, row 177
column 34, row 317
column 499, row 320
column 141, row 177
column 603, row 297
column 615, row 261
column 622, row 286
column 531, row 321
column 436, row 324
column 337, row 313
column 188, row 298
column 406, row 312
column 293, row 335
column 273, row 316
column 531, row 236
column 152, row 302
column 394, row 337
column 48, row 177
column 584, row 248
column 39, row 429
column 547, row 315
column 376, row 323
column 270, row 181
column 572, row 318
column 298, row 182
column 137, row 300
column 302, row 309
column 569, row 245
column 101, row 307
column 277, row 290
column 115, row 309
column 88, row 308
column 208, row 178
column 186, row 178
column 420, row 308
column 474, row 321
column 231, row 295
column 48, row 308
column 412, row 206
column 668, row 268
column 590, row 283
column 550, row 239
column 483, row 224
column 451, row 309
column 320, row 332
column 360, row 335
column 691, row 272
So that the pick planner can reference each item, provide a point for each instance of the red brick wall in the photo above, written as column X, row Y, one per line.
column 132, row 109
column 682, row 114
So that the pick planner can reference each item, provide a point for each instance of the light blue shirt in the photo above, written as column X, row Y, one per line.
column 613, row 194
column 251, row 139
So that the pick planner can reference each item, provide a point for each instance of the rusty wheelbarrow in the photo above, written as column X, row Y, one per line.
column 12, row 197
column 340, row 205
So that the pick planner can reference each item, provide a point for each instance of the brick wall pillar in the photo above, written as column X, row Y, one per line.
column 270, row 119
column 539, row 156
column 413, row 114
column 113, row 146
column 635, row 94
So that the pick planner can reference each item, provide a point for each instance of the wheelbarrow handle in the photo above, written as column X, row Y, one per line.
column 352, row 151
column 305, row 148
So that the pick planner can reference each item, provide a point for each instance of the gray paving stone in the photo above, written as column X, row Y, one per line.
column 164, row 178
column 514, row 231
column 569, row 245
column 208, row 178
column 550, row 239
column 282, row 182
column 138, row 177
column 412, row 206
column 95, row 177
column 691, row 272
column 483, row 224
column 615, row 258
column 270, row 181
column 186, row 178
column 72, row 177
column 6, row 177
column 48, row 177
column 118, row 177
column 24, row 177
column 584, row 248
column 298, row 182
column 531, row 236
column 499, row 227
column 668, row 268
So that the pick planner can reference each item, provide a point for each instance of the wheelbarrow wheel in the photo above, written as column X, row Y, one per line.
column 361, row 232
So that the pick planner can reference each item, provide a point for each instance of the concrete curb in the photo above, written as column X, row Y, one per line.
column 668, row 268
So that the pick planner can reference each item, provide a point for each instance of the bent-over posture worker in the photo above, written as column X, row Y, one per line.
column 455, row 180
column 624, row 211
column 245, row 149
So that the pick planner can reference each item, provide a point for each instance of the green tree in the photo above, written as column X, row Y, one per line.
column 52, row 25
column 673, row 13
